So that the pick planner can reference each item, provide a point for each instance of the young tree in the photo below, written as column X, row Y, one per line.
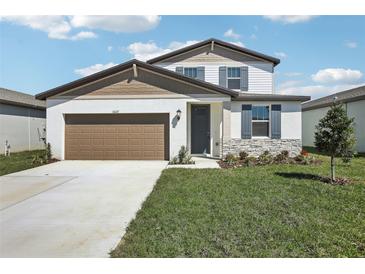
column 335, row 135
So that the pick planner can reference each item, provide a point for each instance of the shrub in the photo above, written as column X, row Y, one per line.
column 304, row 153
column 37, row 160
column 233, row 161
column 230, row 158
column 306, row 160
column 250, row 161
column 243, row 155
column 174, row 161
column 282, row 157
column 183, row 157
column 48, row 155
column 265, row 158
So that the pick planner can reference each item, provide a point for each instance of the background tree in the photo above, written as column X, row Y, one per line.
column 335, row 135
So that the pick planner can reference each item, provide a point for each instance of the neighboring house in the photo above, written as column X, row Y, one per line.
column 22, row 121
column 213, row 97
column 354, row 102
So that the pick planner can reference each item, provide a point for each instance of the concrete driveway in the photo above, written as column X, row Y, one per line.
column 72, row 208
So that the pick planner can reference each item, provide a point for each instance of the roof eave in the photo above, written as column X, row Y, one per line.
column 14, row 103
column 271, row 97
column 327, row 104
column 274, row 60
column 105, row 73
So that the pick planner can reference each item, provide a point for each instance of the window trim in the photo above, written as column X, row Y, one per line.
column 196, row 69
column 262, row 121
column 227, row 78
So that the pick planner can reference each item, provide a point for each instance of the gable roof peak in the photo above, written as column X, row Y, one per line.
column 221, row 43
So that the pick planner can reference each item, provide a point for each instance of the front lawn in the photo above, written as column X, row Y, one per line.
column 267, row 211
column 18, row 161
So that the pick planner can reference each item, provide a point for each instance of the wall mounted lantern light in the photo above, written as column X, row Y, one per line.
column 178, row 114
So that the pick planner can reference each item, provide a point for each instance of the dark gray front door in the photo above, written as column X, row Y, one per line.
column 200, row 129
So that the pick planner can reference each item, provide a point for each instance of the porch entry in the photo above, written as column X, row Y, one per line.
column 200, row 129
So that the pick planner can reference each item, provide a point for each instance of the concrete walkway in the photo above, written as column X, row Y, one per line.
column 72, row 208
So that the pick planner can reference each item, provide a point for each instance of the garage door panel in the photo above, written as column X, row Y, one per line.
column 122, row 154
column 97, row 142
column 137, row 129
column 110, row 141
column 120, row 135
column 135, row 142
column 149, row 142
column 133, row 137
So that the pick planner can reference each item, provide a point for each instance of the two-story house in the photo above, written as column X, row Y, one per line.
column 213, row 97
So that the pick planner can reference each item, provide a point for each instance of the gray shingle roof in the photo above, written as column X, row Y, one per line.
column 12, row 97
column 350, row 95
column 276, row 61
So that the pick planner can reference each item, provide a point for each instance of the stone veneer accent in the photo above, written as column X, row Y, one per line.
column 254, row 147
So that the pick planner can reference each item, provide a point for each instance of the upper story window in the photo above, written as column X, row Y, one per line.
column 260, row 121
column 191, row 72
column 233, row 78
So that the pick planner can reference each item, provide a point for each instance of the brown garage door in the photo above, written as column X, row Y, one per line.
column 116, row 137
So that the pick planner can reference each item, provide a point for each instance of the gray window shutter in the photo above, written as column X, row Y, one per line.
column 200, row 73
column 179, row 70
column 223, row 76
column 244, row 79
column 246, row 122
column 275, row 121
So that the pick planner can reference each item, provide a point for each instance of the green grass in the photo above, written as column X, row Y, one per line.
column 18, row 161
column 269, row 211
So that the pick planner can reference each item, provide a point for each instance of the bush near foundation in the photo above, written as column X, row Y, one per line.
column 266, row 158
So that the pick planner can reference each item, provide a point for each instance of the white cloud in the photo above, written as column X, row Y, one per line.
column 57, row 27
column 116, row 23
column 289, row 19
column 337, row 75
column 238, row 43
column 351, row 44
column 83, row 35
column 281, row 54
column 64, row 27
column 93, row 69
column 109, row 48
column 315, row 91
column 231, row 34
column 145, row 51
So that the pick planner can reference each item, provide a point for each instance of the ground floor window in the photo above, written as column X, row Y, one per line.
column 260, row 121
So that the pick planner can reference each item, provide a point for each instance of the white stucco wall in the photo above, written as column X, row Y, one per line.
column 354, row 109
column 309, row 122
column 290, row 118
column 57, row 108
column 22, row 127
column 357, row 110
column 216, row 128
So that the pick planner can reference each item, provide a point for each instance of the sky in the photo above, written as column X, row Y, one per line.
column 319, row 55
